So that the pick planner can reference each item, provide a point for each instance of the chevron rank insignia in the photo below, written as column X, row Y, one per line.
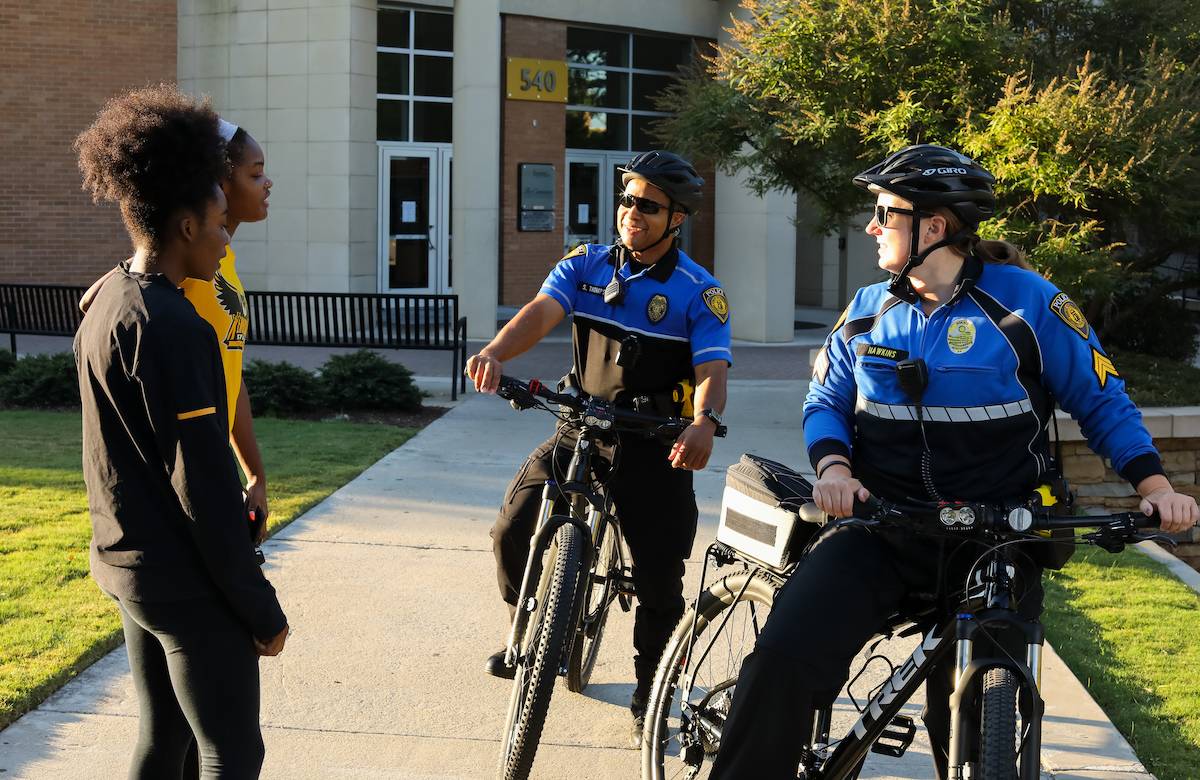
column 1103, row 367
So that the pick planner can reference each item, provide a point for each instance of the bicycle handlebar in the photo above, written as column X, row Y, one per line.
column 593, row 412
column 1110, row 531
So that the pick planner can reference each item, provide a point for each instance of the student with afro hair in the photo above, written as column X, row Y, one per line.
column 170, row 543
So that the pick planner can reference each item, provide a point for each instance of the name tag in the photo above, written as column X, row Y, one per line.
column 880, row 351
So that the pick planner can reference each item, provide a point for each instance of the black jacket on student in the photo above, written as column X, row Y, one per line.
column 168, row 521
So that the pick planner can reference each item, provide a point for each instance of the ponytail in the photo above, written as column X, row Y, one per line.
column 999, row 252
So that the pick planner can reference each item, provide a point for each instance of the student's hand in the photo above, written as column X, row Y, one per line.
column 484, row 371
column 835, row 492
column 694, row 446
column 256, row 503
column 273, row 646
column 1177, row 510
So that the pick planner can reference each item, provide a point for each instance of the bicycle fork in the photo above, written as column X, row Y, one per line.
column 968, row 682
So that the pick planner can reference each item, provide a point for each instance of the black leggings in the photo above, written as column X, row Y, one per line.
column 195, row 671
column 841, row 593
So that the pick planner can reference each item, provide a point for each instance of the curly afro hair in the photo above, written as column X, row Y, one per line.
column 155, row 151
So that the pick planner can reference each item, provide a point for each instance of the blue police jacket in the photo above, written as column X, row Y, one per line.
column 674, row 312
column 999, row 352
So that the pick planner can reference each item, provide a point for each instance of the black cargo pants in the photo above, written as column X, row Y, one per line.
column 840, row 595
column 657, row 511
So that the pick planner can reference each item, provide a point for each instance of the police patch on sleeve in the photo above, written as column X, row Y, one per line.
column 576, row 252
column 1103, row 367
column 1069, row 313
column 656, row 309
column 714, row 299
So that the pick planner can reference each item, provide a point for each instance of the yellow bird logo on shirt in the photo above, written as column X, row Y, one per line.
column 234, row 304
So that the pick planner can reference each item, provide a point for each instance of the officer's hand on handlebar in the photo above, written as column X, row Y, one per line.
column 694, row 446
column 836, row 491
column 485, row 372
column 1177, row 510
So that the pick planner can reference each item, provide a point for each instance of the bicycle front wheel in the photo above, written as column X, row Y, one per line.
column 545, row 645
column 998, row 725
column 598, row 593
column 688, row 706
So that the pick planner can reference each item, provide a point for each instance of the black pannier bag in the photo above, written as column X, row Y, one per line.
column 760, row 511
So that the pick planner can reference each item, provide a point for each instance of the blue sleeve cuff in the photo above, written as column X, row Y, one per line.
column 1145, row 465
column 827, row 447
column 712, row 353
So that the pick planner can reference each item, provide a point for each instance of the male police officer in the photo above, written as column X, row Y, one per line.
column 667, row 318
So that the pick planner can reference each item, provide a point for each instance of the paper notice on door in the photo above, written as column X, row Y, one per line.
column 582, row 217
column 408, row 211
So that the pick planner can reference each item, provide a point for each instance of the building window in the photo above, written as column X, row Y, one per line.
column 613, row 78
column 415, row 55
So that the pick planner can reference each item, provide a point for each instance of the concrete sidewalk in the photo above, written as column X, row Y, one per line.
column 389, row 585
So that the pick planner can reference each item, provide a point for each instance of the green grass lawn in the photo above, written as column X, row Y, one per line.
column 54, row 622
column 1128, row 629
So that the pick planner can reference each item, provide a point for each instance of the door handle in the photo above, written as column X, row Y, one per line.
column 429, row 238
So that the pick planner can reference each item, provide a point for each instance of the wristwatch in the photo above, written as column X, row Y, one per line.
column 713, row 415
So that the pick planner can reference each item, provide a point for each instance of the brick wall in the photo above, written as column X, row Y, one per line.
column 59, row 62
column 533, row 133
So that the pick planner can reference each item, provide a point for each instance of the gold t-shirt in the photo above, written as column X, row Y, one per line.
column 222, row 303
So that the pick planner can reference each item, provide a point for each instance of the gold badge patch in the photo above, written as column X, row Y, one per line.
column 961, row 335
column 656, row 309
column 1103, row 367
column 1069, row 313
column 579, row 250
column 714, row 299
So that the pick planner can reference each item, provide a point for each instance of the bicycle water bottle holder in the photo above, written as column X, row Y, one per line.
column 896, row 738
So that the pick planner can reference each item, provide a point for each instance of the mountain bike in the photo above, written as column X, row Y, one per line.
column 576, row 566
column 996, row 709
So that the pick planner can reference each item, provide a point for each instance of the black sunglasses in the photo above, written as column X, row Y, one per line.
column 644, row 205
column 882, row 213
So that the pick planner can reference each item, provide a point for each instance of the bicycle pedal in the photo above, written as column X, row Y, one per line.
column 896, row 737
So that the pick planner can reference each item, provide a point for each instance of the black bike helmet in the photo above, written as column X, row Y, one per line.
column 670, row 173
column 930, row 177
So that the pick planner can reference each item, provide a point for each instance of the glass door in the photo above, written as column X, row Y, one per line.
column 414, row 224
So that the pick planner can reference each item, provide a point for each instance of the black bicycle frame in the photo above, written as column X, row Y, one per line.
column 548, row 523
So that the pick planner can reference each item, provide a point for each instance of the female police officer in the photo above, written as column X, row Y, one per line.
column 982, row 345
column 645, row 317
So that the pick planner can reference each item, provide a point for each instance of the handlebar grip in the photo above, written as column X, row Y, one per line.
column 811, row 513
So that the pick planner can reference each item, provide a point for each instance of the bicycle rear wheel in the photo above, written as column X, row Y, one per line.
column 542, row 657
column 682, row 736
column 598, row 593
column 998, row 725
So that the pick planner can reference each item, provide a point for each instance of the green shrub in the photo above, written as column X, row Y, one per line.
column 41, row 381
column 7, row 361
column 282, row 388
column 1165, row 330
column 364, row 380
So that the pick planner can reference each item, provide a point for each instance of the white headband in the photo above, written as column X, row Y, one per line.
column 227, row 129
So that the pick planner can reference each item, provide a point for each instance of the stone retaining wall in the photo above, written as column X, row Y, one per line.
column 1176, row 432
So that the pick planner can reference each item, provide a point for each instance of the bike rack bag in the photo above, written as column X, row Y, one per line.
column 760, row 511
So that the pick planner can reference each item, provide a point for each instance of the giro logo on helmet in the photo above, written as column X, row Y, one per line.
column 942, row 171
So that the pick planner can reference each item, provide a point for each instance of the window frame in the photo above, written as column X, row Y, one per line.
column 411, row 52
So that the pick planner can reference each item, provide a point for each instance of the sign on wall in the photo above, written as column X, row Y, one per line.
column 536, row 196
column 544, row 80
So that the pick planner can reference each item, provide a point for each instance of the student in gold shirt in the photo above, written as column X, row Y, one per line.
column 222, row 303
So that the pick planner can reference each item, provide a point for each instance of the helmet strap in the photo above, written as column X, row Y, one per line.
column 899, row 282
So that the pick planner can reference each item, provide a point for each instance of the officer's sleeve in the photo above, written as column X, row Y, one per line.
column 1087, row 385
column 829, row 406
column 708, row 326
column 185, row 393
column 563, row 282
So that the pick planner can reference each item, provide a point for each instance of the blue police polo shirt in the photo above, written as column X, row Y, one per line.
column 674, row 310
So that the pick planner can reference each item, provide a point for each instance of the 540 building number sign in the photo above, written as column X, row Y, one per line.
column 542, row 80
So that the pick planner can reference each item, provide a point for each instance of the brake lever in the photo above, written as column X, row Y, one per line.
column 1107, row 539
column 1160, row 538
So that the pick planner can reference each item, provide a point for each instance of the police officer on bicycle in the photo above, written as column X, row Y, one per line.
column 937, row 384
column 645, row 317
